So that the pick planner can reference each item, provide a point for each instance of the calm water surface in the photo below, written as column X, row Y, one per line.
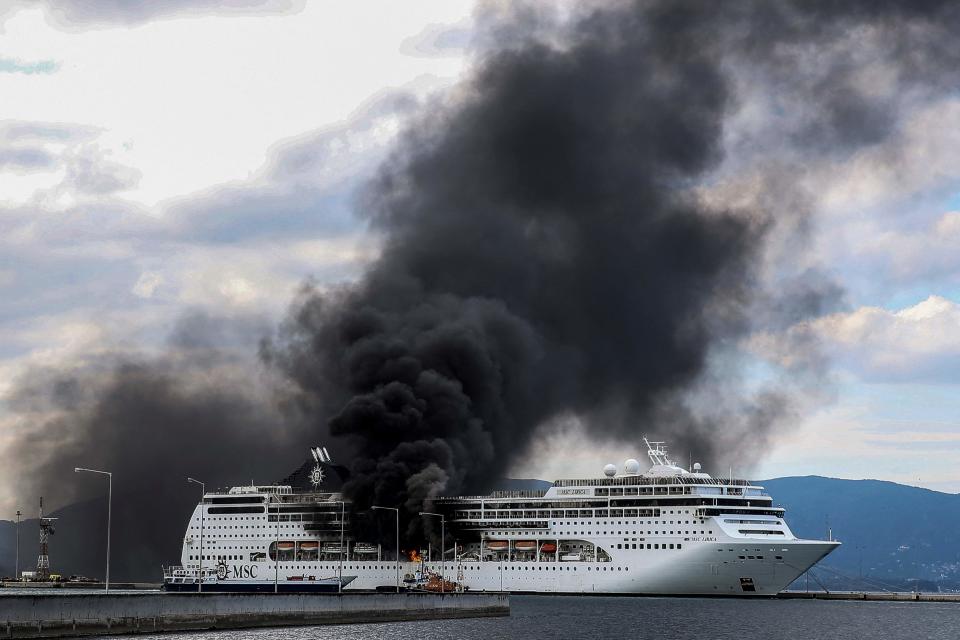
column 596, row 618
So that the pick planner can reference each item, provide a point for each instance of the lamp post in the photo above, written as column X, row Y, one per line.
column 340, row 567
column 443, row 555
column 109, row 509
column 397, row 512
column 276, row 550
column 16, row 570
column 203, row 493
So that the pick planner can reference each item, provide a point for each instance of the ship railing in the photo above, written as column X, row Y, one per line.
column 642, row 480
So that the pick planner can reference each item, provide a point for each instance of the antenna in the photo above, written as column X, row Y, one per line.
column 657, row 452
column 46, row 530
column 327, row 454
column 313, row 452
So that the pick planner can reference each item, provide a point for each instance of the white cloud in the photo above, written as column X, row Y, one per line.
column 73, row 15
column 236, row 164
column 196, row 102
column 927, row 253
column 440, row 40
column 923, row 155
column 917, row 343
column 147, row 284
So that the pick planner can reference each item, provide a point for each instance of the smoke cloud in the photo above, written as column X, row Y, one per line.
column 590, row 226
column 195, row 409
column 549, row 249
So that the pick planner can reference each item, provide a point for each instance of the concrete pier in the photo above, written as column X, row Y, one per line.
column 890, row 596
column 59, row 615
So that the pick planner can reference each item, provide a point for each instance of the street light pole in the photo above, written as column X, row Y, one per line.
column 443, row 555
column 17, row 569
column 340, row 568
column 203, row 493
column 276, row 551
column 109, row 509
column 396, row 511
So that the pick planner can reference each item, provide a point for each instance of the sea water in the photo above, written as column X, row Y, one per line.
column 633, row 618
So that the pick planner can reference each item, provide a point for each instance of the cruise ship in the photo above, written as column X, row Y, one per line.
column 663, row 531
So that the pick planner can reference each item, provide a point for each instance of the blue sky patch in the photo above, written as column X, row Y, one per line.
column 15, row 65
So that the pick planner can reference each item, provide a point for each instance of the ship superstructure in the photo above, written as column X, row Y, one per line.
column 667, row 530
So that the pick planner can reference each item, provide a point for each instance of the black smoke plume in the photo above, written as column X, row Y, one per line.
column 546, row 249
column 559, row 238
column 197, row 409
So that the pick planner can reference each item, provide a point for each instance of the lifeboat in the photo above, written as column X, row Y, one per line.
column 285, row 546
column 362, row 547
column 497, row 545
column 436, row 584
column 309, row 545
column 331, row 548
column 525, row 545
column 548, row 547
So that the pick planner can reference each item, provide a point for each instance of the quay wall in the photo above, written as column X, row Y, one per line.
column 49, row 615
column 890, row 596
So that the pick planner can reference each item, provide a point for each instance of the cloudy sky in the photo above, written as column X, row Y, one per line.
column 203, row 157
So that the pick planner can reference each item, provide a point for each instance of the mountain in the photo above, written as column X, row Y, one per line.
column 891, row 533
column 894, row 535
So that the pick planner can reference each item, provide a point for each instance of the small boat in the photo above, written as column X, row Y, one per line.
column 436, row 584
column 309, row 545
column 331, row 548
column 571, row 557
column 497, row 545
column 548, row 547
column 285, row 546
column 525, row 545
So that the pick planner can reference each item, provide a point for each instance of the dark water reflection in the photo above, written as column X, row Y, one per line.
column 562, row 617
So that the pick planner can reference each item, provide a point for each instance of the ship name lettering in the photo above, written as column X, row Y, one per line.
column 572, row 492
column 249, row 571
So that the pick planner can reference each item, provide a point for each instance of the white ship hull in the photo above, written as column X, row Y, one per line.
column 709, row 569
column 666, row 532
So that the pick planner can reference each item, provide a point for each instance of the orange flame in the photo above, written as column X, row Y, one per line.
column 414, row 555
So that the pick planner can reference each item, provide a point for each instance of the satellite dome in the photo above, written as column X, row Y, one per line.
column 631, row 466
column 610, row 470
column 696, row 467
